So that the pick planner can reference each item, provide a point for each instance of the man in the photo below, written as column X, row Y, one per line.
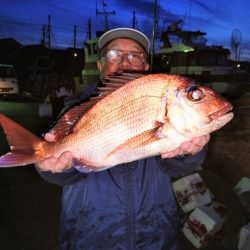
column 129, row 206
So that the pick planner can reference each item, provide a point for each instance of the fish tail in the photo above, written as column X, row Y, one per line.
column 23, row 144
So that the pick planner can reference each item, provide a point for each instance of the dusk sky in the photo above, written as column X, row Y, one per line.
column 23, row 19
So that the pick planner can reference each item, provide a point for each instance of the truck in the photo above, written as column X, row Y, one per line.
column 8, row 80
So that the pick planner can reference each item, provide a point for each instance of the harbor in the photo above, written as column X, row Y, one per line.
column 42, row 76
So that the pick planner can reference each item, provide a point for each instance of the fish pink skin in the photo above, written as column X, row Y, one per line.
column 149, row 115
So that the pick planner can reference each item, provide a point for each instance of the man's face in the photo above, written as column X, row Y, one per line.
column 107, row 68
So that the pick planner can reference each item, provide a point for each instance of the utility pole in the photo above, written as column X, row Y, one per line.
column 43, row 35
column 74, row 36
column 153, row 35
column 134, row 22
column 49, row 33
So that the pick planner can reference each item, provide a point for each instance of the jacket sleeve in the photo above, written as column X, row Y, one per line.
column 184, row 165
column 70, row 176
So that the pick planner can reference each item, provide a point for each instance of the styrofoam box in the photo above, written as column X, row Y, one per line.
column 191, row 192
column 243, row 185
column 202, row 225
column 244, row 238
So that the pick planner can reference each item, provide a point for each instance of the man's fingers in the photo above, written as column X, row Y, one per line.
column 196, row 144
column 55, row 164
column 65, row 160
column 62, row 163
column 47, row 164
column 171, row 154
column 188, row 147
column 49, row 137
column 201, row 140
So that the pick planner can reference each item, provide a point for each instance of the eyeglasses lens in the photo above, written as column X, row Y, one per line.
column 134, row 58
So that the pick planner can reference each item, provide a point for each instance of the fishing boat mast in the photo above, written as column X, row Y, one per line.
column 104, row 13
column 90, row 73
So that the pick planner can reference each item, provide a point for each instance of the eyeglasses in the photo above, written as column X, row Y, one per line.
column 116, row 56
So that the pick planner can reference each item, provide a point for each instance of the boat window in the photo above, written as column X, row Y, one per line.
column 88, row 47
column 95, row 49
column 179, row 59
column 211, row 58
column 91, row 48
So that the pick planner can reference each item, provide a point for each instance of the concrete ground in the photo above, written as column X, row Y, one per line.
column 29, row 207
column 29, row 210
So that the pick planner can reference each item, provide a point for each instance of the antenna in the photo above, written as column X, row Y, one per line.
column 43, row 35
column 105, row 14
column 74, row 36
column 153, row 35
column 46, row 34
column 235, row 41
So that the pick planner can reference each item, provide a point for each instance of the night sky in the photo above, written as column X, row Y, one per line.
column 24, row 19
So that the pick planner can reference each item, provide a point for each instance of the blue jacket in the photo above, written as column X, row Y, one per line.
column 130, row 206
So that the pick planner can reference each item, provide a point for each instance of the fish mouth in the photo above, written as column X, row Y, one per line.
column 225, row 110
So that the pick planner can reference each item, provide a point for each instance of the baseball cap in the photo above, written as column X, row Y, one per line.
column 124, row 33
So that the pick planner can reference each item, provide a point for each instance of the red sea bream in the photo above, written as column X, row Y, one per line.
column 147, row 116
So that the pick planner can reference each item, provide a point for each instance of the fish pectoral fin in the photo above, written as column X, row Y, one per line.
column 138, row 141
column 163, row 130
column 167, row 130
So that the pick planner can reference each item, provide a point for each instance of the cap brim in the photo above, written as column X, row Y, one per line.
column 125, row 33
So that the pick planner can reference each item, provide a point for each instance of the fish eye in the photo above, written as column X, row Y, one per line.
column 195, row 95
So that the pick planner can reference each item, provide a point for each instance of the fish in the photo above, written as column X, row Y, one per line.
column 133, row 117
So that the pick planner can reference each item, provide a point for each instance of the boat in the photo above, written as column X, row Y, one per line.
column 90, row 73
column 186, row 53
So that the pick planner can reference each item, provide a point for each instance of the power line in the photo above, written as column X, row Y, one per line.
column 41, row 24
column 27, row 33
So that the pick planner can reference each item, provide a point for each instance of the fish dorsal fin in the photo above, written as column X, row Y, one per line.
column 114, row 82
column 124, row 77
column 70, row 119
column 66, row 123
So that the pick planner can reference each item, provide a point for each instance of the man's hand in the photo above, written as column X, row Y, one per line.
column 189, row 147
column 54, row 164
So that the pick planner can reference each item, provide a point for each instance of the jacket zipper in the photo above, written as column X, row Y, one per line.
column 130, row 204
